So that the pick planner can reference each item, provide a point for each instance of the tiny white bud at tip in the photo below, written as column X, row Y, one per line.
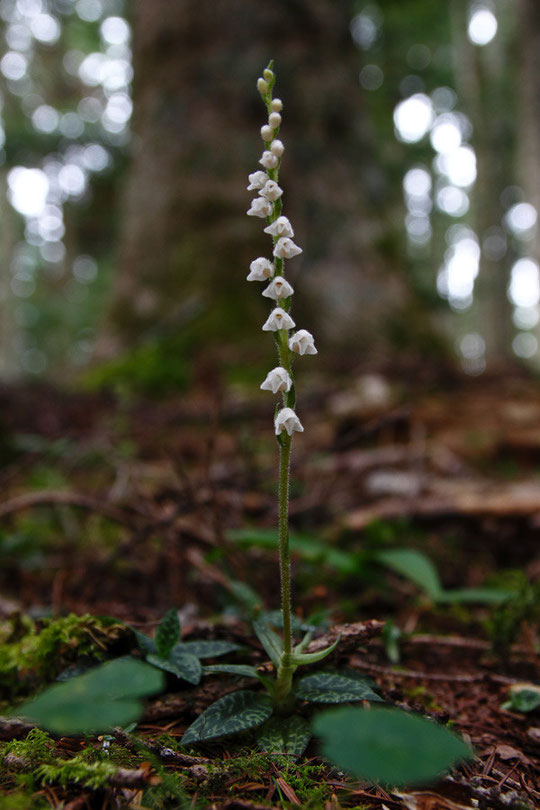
column 277, row 105
column 277, row 148
column 266, row 133
column 262, row 86
column 274, row 119
column 268, row 74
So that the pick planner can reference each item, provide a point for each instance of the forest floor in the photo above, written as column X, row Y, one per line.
column 126, row 508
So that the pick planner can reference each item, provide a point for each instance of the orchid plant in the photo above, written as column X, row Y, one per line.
column 371, row 743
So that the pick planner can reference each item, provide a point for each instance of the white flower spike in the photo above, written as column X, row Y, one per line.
column 260, row 207
column 287, row 420
column 302, row 342
column 257, row 181
column 285, row 248
column 277, row 380
column 281, row 227
column 278, row 288
column 271, row 191
column 268, row 160
column 260, row 270
column 278, row 319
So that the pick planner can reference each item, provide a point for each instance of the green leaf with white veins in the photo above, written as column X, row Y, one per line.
column 207, row 649
column 334, row 687
column 284, row 735
column 231, row 714
column 168, row 633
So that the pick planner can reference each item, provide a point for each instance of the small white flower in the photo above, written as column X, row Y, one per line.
column 279, row 287
column 281, row 227
column 274, row 120
column 262, row 86
column 260, row 207
column 277, row 380
column 277, row 105
column 268, row 160
column 271, row 190
column 260, row 269
column 257, row 180
column 302, row 342
column 287, row 420
column 266, row 133
column 285, row 248
column 278, row 319
column 277, row 148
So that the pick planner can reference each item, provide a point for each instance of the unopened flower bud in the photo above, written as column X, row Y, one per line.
column 278, row 319
column 268, row 160
column 302, row 342
column 287, row 420
column 277, row 148
column 260, row 269
column 262, row 86
column 274, row 120
column 280, row 227
column 260, row 207
column 271, row 191
column 277, row 380
column 278, row 288
column 277, row 105
column 285, row 248
column 268, row 74
column 266, row 133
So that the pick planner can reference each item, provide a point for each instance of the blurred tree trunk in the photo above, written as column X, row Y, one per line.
column 186, row 243
column 529, row 118
column 484, row 83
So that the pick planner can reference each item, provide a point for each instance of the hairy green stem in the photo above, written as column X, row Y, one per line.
column 284, row 553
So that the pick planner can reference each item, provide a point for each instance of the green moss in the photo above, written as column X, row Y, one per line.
column 38, row 656
column 91, row 775
column 36, row 748
column 19, row 800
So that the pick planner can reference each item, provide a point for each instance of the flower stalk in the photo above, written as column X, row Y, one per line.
column 268, row 205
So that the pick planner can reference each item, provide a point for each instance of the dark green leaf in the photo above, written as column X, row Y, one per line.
column 415, row 566
column 483, row 595
column 168, row 633
column 333, row 687
column 207, row 649
column 232, row 669
column 271, row 642
column 231, row 714
column 183, row 665
column 146, row 644
column 311, row 658
column 105, row 697
column 387, row 745
column 284, row 735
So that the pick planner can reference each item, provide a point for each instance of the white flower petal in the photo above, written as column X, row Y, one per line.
column 268, row 160
column 279, row 287
column 278, row 319
column 271, row 191
column 286, row 249
column 257, row 180
column 260, row 269
column 281, row 227
column 287, row 420
column 260, row 207
column 277, row 380
column 277, row 148
column 302, row 342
